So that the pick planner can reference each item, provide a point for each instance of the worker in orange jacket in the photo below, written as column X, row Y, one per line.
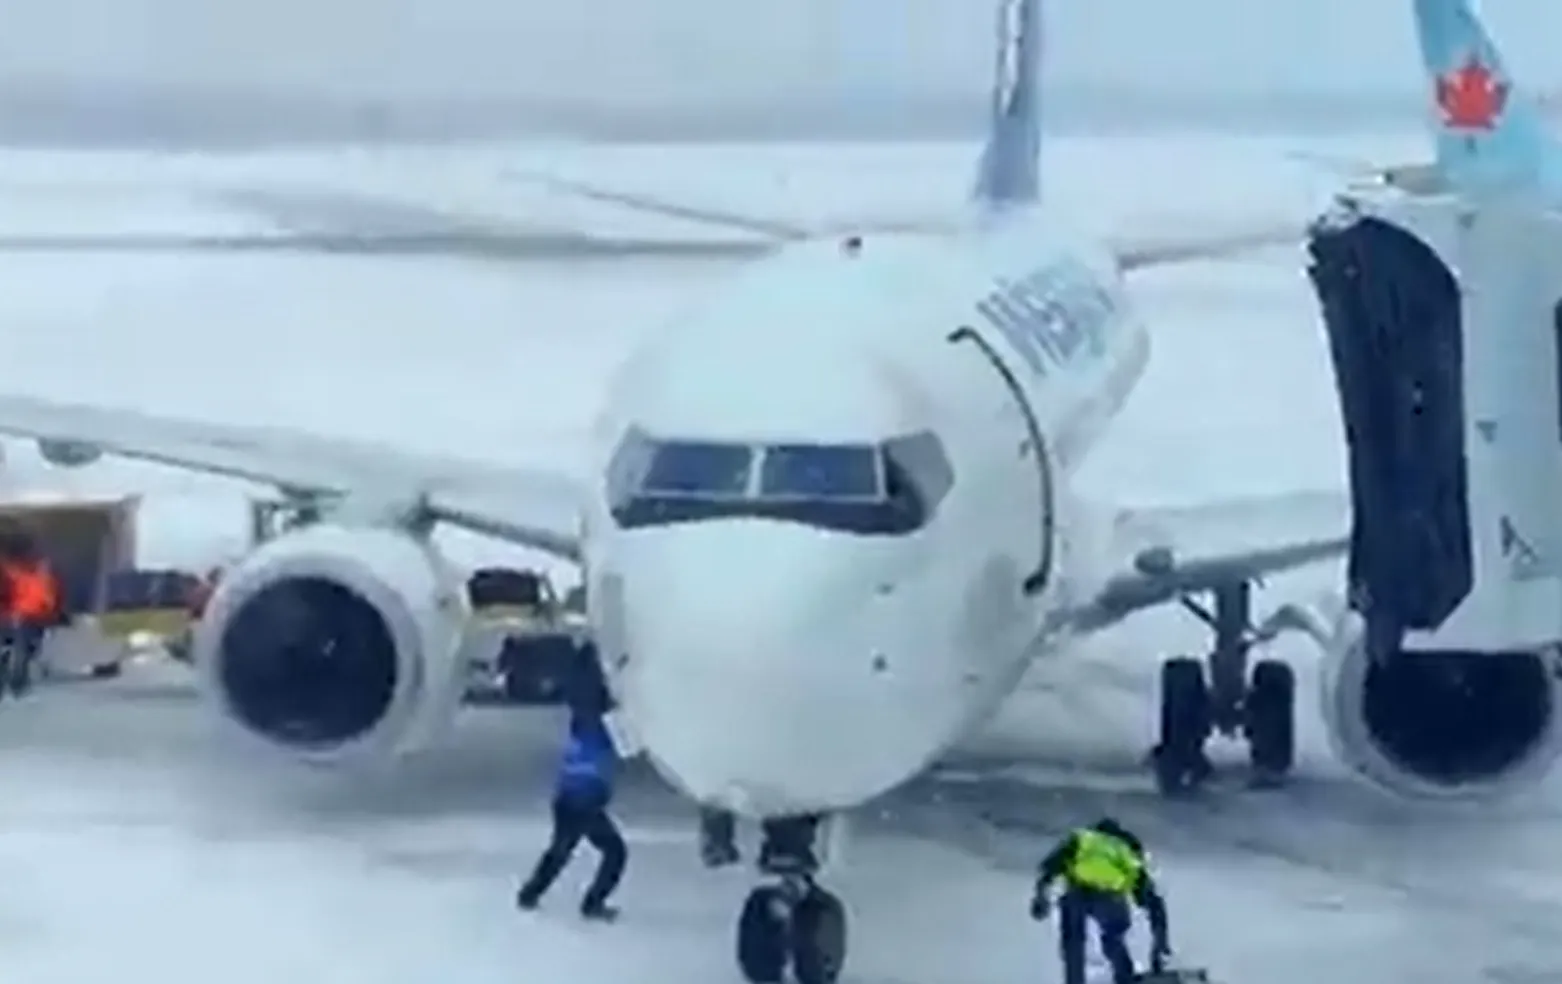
column 32, row 605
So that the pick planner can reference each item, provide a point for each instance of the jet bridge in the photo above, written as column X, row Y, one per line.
column 1444, row 321
column 1392, row 310
column 1444, row 325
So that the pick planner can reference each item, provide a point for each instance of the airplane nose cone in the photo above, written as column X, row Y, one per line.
column 755, row 673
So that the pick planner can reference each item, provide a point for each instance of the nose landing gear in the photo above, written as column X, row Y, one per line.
column 1195, row 705
column 789, row 921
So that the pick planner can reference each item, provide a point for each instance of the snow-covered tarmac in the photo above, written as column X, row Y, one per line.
column 134, row 845
column 135, row 842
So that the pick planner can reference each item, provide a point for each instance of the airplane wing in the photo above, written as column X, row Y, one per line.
column 342, row 222
column 1133, row 254
column 508, row 246
column 1169, row 552
column 1185, row 247
column 1418, row 178
column 347, row 223
column 532, row 508
column 1174, row 552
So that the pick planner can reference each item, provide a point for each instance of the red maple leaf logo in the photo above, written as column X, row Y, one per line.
column 1470, row 96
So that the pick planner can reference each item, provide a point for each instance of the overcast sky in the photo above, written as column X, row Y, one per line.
column 638, row 52
column 690, row 47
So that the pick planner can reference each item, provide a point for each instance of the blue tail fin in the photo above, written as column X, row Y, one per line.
column 1489, row 136
column 1010, row 164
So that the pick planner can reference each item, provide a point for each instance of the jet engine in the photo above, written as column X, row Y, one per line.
column 335, row 643
column 69, row 454
column 1435, row 725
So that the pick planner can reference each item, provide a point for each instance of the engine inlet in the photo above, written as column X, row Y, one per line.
column 308, row 662
column 1453, row 717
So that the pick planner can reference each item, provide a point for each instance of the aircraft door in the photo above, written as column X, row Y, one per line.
column 1032, row 451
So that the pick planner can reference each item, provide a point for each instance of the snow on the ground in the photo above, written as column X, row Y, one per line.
column 192, row 865
column 127, row 856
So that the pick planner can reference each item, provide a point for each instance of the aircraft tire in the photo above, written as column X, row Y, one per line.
column 818, row 938
column 1185, row 724
column 1271, row 720
column 762, row 937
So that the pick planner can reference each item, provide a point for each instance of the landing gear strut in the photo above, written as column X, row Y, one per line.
column 1196, row 704
column 789, row 920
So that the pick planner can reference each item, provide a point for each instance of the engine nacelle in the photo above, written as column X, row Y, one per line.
column 337, row 643
column 1435, row 725
column 68, row 454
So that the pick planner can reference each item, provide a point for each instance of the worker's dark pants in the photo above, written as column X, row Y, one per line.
column 19, row 645
column 1080, row 906
column 576, row 819
column 718, row 837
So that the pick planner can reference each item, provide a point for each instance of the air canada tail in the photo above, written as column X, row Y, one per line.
column 1009, row 169
column 1489, row 136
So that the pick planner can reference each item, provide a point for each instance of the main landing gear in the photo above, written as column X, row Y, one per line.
column 788, row 921
column 1196, row 704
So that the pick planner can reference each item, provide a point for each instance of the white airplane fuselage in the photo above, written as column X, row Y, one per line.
column 776, row 666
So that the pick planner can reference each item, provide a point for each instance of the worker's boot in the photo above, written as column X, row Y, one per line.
column 599, row 912
column 22, row 675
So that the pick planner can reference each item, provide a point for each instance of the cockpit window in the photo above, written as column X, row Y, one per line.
column 889, row 488
column 828, row 471
column 698, row 468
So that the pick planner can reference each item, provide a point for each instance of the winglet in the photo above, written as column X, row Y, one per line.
column 1489, row 136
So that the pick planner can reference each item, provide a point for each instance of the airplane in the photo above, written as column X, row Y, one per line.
column 828, row 525
column 1441, row 31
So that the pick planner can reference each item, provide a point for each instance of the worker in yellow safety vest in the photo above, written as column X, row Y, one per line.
column 1103, row 868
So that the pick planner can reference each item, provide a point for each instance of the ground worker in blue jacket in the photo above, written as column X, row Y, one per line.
column 1103, row 867
column 581, row 794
